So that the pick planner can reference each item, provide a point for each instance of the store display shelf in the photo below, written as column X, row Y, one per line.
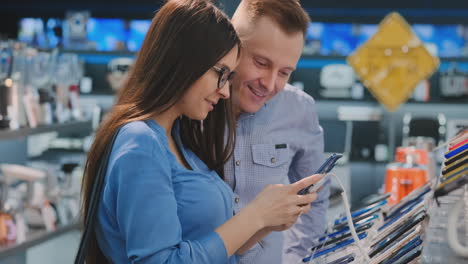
column 26, row 131
column 319, row 61
column 95, row 56
column 34, row 238
column 90, row 51
column 339, row 57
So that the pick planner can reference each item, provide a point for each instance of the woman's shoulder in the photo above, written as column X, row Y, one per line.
column 138, row 129
column 141, row 136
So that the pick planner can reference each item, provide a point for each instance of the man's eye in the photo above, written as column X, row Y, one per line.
column 261, row 63
column 284, row 74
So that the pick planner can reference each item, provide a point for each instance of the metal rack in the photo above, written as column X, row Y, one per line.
column 8, row 134
column 13, row 145
column 34, row 238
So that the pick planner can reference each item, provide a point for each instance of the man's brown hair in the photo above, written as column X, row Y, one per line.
column 288, row 14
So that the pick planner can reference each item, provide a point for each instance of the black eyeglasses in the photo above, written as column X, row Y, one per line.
column 224, row 75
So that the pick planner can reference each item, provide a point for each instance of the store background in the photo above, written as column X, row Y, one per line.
column 356, row 134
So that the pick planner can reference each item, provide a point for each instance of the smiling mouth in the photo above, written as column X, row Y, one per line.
column 256, row 92
column 213, row 104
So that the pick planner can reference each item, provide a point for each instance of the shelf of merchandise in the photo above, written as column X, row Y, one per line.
column 319, row 61
column 8, row 134
column 35, row 237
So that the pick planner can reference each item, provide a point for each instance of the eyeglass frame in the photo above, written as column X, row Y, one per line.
column 223, row 72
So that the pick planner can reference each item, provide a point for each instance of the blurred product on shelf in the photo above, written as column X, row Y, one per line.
column 6, row 61
column 407, row 173
column 337, row 79
column 425, row 131
column 38, row 88
column 7, row 229
column 359, row 113
column 422, row 92
column 118, row 69
column 75, row 29
column 456, row 126
column 42, row 196
column 454, row 82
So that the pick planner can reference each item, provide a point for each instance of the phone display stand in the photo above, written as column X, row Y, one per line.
column 437, row 248
column 429, row 225
column 395, row 232
column 447, row 240
column 393, row 229
column 465, row 199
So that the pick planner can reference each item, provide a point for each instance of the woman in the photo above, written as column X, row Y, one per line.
column 164, row 199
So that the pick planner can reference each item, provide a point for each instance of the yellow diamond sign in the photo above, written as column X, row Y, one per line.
column 392, row 62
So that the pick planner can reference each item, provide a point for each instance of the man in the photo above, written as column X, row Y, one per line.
column 279, row 139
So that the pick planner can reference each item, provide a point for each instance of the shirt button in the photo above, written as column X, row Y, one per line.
column 273, row 160
column 237, row 162
column 236, row 200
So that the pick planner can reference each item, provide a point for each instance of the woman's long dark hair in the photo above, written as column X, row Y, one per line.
column 185, row 39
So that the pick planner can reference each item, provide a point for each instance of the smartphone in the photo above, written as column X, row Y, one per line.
column 338, row 239
column 459, row 144
column 376, row 199
column 346, row 229
column 456, row 151
column 337, row 246
column 385, row 246
column 407, row 207
column 386, row 252
column 388, row 228
column 326, row 167
column 402, row 227
column 408, row 249
column 455, row 174
column 458, row 140
column 450, row 185
column 455, row 158
column 403, row 215
column 361, row 211
column 400, row 231
column 452, row 176
column 414, row 197
column 339, row 225
column 346, row 259
column 411, row 256
column 455, row 165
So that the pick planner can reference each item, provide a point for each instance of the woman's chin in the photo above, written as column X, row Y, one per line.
column 199, row 117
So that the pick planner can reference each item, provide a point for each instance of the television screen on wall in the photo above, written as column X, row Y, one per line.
column 31, row 31
column 137, row 33
column 107, row 34
column 343, row 38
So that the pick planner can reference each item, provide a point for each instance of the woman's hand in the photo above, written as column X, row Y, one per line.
column 278, row 206
column 279, row 228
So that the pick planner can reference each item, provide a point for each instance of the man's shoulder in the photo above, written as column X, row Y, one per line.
column 293, row 95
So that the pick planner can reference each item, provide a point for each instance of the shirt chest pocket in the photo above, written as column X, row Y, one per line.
column 271, row 155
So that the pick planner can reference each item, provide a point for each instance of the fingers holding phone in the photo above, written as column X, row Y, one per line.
column 326, row 167
column 301, row 209
column 304, row 183
column 281, row 205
